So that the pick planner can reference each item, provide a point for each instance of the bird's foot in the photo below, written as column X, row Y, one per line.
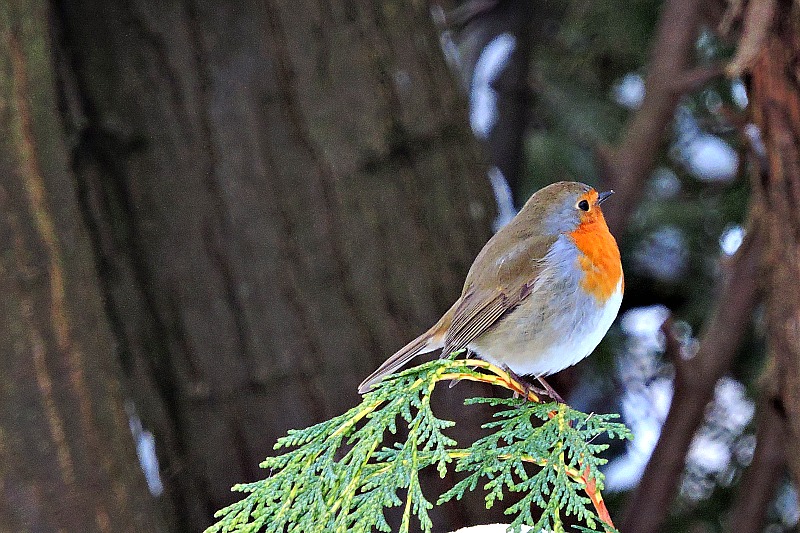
column 527, row 386
column 550, row 391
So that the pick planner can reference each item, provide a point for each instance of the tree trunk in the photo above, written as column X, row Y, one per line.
column 67, row 460
column 776, row 109
column 281, row 194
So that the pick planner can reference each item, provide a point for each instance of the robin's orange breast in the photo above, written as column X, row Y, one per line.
column 599, row 259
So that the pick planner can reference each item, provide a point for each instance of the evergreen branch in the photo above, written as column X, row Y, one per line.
column 337, row 476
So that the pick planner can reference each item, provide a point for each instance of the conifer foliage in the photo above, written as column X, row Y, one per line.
column 340, row 475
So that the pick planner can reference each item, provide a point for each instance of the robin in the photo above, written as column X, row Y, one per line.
column 541, row 294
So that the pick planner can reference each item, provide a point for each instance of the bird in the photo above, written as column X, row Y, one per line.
column 540, row 295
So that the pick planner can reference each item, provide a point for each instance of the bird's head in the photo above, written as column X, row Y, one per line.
column 566, row 207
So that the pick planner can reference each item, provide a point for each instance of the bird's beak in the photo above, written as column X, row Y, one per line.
column 603, row 196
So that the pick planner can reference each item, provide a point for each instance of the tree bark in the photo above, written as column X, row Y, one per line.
column 67, row 460
column 776, row 111
column 281, row 194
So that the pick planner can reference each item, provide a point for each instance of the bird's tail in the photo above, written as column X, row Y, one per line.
column 431, row 340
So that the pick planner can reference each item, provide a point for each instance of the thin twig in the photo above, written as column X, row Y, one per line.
column 696, row 79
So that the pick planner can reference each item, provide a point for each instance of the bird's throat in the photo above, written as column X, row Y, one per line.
column 599, row 259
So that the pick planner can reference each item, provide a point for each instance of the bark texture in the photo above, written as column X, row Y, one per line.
column 281, row 194
column 776, row 111
column 67, row 459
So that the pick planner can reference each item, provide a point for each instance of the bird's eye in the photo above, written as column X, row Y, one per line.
column 583, row 205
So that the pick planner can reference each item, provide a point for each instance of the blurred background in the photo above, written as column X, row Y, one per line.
column 217, row 217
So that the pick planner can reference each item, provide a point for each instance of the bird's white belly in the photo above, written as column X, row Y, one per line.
column 544, row 335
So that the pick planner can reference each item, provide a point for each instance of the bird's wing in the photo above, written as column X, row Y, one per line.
column 483, row 302
column 477, row 312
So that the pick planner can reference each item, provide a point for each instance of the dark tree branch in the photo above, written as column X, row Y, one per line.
column 694, row 388
column 761, row 478
column 626, row 167
column 479, row 23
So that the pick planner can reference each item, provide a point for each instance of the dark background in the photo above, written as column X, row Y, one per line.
column 217, row 217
